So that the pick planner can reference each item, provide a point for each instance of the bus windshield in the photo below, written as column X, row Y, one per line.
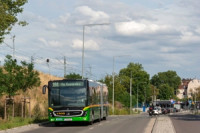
column 68, row 96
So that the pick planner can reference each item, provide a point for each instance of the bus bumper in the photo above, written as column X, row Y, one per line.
column 65, row 119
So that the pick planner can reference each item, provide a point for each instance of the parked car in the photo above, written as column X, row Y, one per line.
column 164, row 111
column 175, row 110
column 170, row 110
column 157, row 111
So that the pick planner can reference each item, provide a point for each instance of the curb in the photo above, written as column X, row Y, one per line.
column 163, row 124
column 173, row 128
column 43, row 123
column 155, row 122
column 24, row 128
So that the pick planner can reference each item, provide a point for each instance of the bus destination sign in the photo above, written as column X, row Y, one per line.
column 68, row 84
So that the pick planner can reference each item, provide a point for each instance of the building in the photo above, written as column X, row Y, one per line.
column 187, row 87
column 182, row 89
column 192, row 86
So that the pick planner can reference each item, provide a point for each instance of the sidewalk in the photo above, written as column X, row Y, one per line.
column 163, row 124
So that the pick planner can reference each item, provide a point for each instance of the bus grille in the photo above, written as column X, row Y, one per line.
column 68, row 113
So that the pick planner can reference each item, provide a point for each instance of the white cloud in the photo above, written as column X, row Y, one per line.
column 51, row 43
column 132, row 28
column 167, row 49
column 55, row 43
column 43, row 41
column 64, row 18
column 198, row 30
column 89, row 45
column 189, row 37
column 94, row 16
column 52, row 26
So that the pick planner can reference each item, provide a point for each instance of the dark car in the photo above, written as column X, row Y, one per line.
column 164, row 111
column 176, row 110
column 168, row 110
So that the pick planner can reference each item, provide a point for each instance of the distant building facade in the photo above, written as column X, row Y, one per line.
column 182, row 89
column 187, row 87
column 192, row 86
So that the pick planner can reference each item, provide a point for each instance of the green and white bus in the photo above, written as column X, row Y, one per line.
column 76, row 100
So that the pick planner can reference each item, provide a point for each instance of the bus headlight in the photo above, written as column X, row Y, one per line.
column 51, row 114
column 84, row 113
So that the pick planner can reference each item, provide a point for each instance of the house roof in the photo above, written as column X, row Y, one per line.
column 184, row 83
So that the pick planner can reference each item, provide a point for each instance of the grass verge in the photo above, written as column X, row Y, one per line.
column 18, row 121
column 123, row 111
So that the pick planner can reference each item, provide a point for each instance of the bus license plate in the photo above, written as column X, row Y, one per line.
column 59, row 119
column 69, row 119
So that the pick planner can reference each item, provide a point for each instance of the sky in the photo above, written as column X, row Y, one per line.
column 161, row 35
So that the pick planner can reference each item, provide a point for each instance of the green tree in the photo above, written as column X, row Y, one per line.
column 165, row 92
column 10, row 77
column 121, row 93
column 2, row 86
column 108, row 82
column 9, row 9
column 122, row 84
column 29, row 77
column 198, row 93
column 140, row 81
column 170, row 78
column 14, row 77
column 73, row 76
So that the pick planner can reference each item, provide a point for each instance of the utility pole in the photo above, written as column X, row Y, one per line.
column 48, row 67
column 90, row 67
column 65, row 67
column 83, row 51
column 13, row 38
column 32, row 60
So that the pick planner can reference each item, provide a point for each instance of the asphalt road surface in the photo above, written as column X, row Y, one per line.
column 186, row 123
column 114, row 124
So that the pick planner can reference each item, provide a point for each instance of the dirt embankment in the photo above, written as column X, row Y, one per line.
column 37, row 98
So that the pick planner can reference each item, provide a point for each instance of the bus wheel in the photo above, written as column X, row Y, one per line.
column 99, row 119
column 104, row 118
column 57, row 123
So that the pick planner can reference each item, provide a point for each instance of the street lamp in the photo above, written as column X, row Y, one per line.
column 131, row 93
column 137, row 92
column 113, row 97
column 89, row 25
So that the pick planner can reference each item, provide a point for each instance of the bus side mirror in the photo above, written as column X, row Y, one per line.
column 44, row 89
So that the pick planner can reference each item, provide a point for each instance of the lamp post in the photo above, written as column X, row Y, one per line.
column 113, row 96
column 137, row 92
column 113, row 73
column 131, row 93
column 83, row 50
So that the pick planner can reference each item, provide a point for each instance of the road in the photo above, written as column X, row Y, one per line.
column 186, row 123
column 114, row 124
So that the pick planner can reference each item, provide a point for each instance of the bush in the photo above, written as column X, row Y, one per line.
column 37, row 112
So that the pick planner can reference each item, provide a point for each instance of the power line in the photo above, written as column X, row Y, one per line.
column 41, row 60
column 8, row 45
